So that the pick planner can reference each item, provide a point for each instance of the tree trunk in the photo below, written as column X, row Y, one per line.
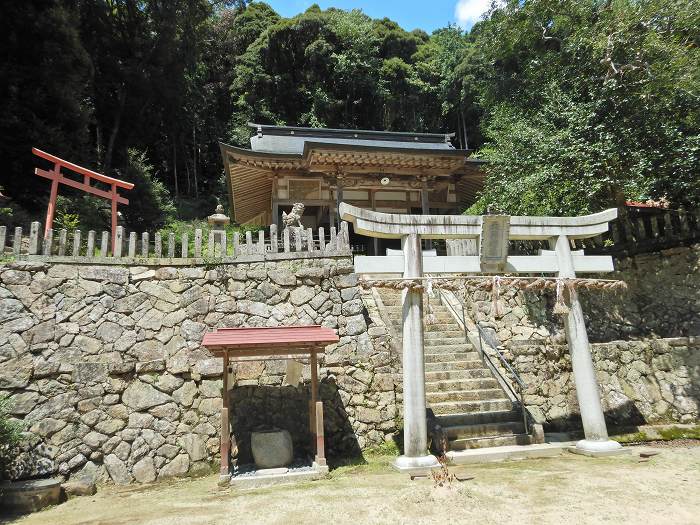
column 175, row 168
column 194, row 160
column 114, row 133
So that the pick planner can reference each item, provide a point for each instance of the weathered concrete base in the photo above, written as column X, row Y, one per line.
column 416, row 465
column 278, row 476
column 596, row 449
column 486, row 455
column 30, row 495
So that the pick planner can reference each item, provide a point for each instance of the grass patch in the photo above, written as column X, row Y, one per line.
column 659, row 434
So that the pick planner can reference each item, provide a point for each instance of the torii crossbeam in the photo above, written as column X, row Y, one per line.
column 561, row 261
column 56, row 178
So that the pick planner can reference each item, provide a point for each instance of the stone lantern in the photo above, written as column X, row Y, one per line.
column 218, row 220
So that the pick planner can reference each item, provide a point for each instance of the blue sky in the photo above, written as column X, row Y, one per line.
column 410, row 14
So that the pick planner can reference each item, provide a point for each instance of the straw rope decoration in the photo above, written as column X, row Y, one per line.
column 495, row 283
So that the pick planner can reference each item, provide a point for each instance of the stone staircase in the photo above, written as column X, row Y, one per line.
column 464, row 395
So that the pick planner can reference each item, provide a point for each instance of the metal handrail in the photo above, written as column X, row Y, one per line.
column 521, row 386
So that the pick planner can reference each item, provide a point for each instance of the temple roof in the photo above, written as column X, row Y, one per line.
column 290, row 139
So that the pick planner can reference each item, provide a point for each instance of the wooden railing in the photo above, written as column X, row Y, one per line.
column 635, row 233
column 270, row 244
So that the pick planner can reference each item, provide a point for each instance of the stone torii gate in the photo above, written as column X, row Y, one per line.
column 494, row 232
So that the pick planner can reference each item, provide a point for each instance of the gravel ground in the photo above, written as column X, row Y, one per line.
column 657, row 489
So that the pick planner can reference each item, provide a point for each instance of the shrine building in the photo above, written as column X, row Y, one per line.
column 419, row 173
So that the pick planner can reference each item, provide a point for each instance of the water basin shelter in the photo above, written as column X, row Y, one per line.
column 390, row 172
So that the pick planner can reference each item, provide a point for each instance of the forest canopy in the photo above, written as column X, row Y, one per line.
column 576, row 105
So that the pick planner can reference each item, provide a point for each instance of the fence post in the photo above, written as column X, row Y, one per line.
column 34, row 238
column 17, row 241
column 273, row 238
column 62, row 239
column 118, row 242
column 76, row 244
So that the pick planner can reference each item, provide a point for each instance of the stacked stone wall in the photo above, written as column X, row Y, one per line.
column 105, row 366
column 646, row 381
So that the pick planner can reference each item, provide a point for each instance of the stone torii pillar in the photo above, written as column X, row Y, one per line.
column 415, row 428
column 596, row 442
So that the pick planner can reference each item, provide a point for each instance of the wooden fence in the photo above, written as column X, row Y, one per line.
column 270, row 244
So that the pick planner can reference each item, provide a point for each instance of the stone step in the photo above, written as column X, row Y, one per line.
column 430, row 328
column 489, row 441
column 449, row 357
column 445, row 334
column 485, row 455
column 505, row 428
column 447, row 385
column 459, row 396
column 507, row 415
column 454, row 365
column 431, row 346
column 443, row 317
column 461, row 407
column 458, row 375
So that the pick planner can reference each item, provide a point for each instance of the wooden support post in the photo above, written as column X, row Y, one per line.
column 225, row 425
column 114, row 218
column 320, row 458
column 313, row 361
column 51, row 209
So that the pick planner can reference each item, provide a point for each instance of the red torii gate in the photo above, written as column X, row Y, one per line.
column 56, row 177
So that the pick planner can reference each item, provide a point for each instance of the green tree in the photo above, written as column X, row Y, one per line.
column 590, row 103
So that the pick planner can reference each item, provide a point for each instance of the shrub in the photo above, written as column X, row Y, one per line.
column 10, row 435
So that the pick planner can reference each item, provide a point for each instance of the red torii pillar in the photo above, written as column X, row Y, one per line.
column 56, row 178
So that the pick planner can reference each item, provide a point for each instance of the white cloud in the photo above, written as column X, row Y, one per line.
column 467, row 12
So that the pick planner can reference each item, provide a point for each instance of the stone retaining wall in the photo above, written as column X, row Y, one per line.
column 662, row 300
column 646, row 381
column 106, row 370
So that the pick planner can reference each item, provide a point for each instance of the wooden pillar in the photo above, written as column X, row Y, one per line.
column 225, row 425
column 320, row 458
column 114, row 216
column 51, row 209
column 338, row 198
column 313, row 361
column 425, row 204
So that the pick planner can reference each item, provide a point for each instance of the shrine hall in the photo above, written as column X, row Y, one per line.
column 391, row 172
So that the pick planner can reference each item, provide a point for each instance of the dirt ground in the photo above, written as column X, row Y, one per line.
column 569, row 489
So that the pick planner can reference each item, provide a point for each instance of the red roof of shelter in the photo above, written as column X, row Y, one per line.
column 274, row 340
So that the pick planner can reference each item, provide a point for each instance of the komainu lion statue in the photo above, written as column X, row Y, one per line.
column 294, row 216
